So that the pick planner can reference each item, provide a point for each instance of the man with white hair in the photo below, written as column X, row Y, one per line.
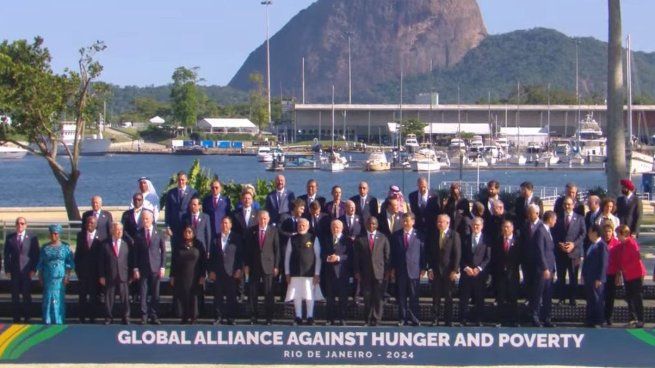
column 103, row 227
column 302, row 265
column 114, row 271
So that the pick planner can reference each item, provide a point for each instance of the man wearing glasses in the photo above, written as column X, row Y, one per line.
column 21, row 256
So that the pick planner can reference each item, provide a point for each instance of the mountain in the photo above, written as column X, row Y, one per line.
column 424, row 34
column 530, row 57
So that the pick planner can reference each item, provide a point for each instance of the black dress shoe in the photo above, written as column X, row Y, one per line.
column 230, row 322
column 155, row 321
column 144, row 321
column 463, row 323
column 549, row 324
column 310, row 321
column 374, row 323
column 573, row 303
column 297, row 321
column 253, row 321
column 92, row 321
column 561, row 302
column 82, row 321
column 329, row 323
column 269, row 322
column 342, row 322
column 416, row 323
column 125, row 321
column 448, row 324
column 401, row 323
column 107, row 321
column 435, row 323
column 217, row 322
column 536, row 324
column 192, row 322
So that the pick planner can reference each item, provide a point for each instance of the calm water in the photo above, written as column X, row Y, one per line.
column 29, row 182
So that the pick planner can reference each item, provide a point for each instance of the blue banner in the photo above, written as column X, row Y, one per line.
column 321, row 345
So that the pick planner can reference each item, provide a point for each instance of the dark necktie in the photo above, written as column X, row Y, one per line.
column 262, row 236
column 89, row 241
column 19, row 240
column 116, row 247
column 506, row 245
column 567, row 222
column 406, row 241
column 195, row 221
column 215, row 202
column 148, row 237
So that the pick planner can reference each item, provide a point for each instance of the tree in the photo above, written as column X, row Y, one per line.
column 258, row 106
column 184, row 96
column 412, row 126
column 36, row 98
column 616, row 160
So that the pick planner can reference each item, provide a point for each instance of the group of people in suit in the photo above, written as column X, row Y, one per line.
column 307, row 246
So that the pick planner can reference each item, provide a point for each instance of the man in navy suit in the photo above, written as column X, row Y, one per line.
column 21, row 255
column 455, row 202
column 150, row 262
column 200, row 223
column 526, row 198
column 366, row 205
column 131, row 218
column 571, row 191
column 569, row 235
column 319, row 222
column 311, row 196
column 104, row 218
column 87, row 256
column 424, row 205
column 337, row 255
column 390, row 219
column 594, row 270
column 540, row 247
column 476, row 253
column 506, row 256
column 278, row 202
column 492, row 195
column 407, row 260
column 352, row 222
column 246, row 216
column 177, row 204
column 225, row 264
column 370, row 263
column 216, row 206
column 628, row 207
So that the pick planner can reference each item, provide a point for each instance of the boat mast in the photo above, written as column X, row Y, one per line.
column 577, row 94
column 333, row 118
column 629, row 146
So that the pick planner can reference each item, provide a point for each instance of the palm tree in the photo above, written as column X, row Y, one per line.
column 616, row 160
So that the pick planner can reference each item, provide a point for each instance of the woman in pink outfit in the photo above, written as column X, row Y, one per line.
column 632, row 269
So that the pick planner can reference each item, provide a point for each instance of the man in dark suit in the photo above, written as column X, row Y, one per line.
column 407, row 260
column 311, row 196
column 506, row 257
column 370, row 263
column 337, row 255
column 571, row 191
column 628, row 207
column 476, row 254
column 225, row 264
column 390, row 219
column 278, row 202
column 87, row 256
column 131, row 219
column 246, row 216
column 114, row 269
column 21, row 254
column 568, row 234
column 492, row 194
column 352, row 222
column 262, row 256
column 200, row 223
column 424, row 205
column 455, row 202
column 150, row 259
column 526, row 198
column 177, row 204
column 540, row 248
column 443, row 255
column 366, row 205
column 594, row 273
column 103, row 227
column 319, row 222
column 216, row 206
column 593, row 202
column 336, row 207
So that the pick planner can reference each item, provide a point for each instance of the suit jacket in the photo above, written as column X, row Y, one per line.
column 478, row 257
column 383, row 223
column 443, row 261
column 103, row 226
column 576, row 233
column 595, row 262
column 202, row 228
column 275, row 209
column 629, row 212
column 487, row 211
column 589, row 219
column 320, row 227
column 225, row 261
column 262, row 260
column 558, row 207
column 371, row 264
column 130, row 225
column 344, row 249
column 21, row 260
column 216, row 213
column 317, row 198
column 370, row 208
column 452, row 206
column 507, row 262
column 540, row 248
column 149, row 258
column 114, row 268
column 425, row 216
column 493, row 228
column 355, row 230
column 240, row 224
column 407, row 262
column 87, row 256
column 520, row 208
column 177, row 206
column 329, row 208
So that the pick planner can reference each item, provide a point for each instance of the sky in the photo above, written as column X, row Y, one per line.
column 147, row 39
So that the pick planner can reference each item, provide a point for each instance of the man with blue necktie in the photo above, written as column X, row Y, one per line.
column 177, row 204
column 21, row 255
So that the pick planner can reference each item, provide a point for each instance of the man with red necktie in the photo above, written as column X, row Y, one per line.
column 115, row 266
column 506, row 261
column 149, row 268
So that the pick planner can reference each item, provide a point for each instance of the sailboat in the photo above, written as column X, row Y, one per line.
column 333, row 161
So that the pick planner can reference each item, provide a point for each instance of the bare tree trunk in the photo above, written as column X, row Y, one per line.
column 67, row 183
column 616, row 166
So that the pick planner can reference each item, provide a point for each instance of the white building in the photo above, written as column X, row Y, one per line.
column 227, row 126
column 521, row 136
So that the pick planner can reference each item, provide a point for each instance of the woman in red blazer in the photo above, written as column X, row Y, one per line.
column 612, row 269
column 633, row 271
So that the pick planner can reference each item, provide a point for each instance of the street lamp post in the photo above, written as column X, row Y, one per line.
column 266, row 3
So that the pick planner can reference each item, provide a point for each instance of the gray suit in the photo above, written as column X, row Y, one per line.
column 370, row 265
column 116, row 271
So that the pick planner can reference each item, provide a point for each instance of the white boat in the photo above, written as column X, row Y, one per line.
column 333, row 162
column 548, row 158
column 12, row 152
column 377, row 161
column 502, row 142
column 589, row 140
column 264, row 154
column 641, row 163
column 427, row 159
column 477, row 145
column 411, row 143
column 475, row 162
column 456, row 144
column 517, row 159
column 93, row 145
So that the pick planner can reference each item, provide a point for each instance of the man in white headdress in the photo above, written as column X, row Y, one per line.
column 150, row 197
column 302, row 265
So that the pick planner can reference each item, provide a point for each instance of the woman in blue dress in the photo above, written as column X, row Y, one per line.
column 54, row 268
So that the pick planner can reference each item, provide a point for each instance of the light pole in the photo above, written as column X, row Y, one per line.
column 350, row 74
column 266, row 3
